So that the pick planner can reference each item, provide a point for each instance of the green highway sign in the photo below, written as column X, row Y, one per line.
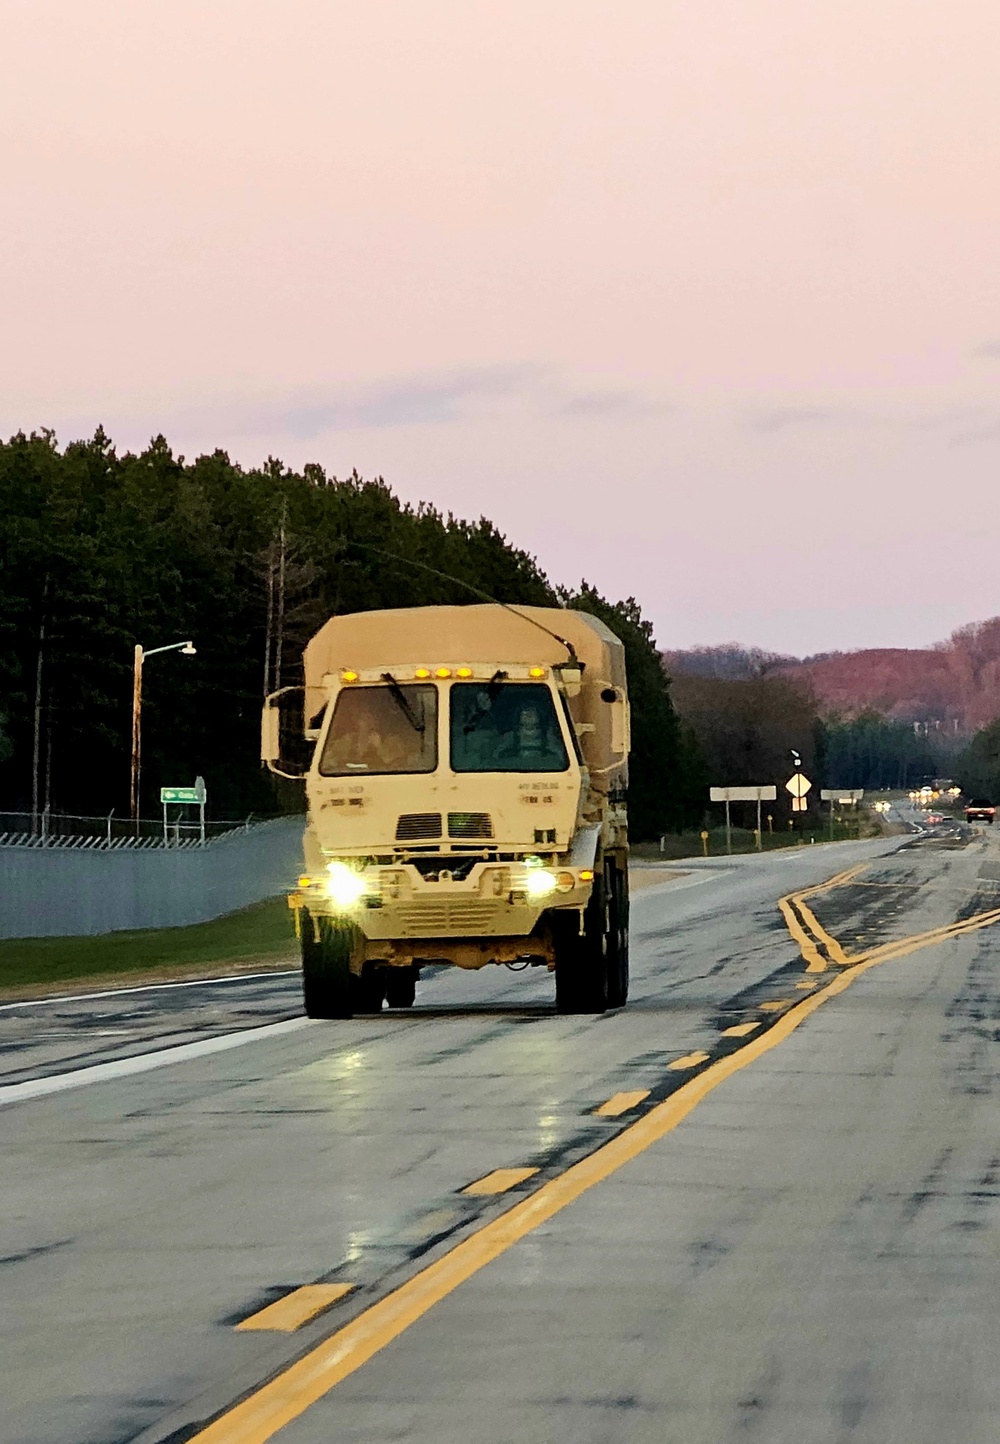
column 181, row 794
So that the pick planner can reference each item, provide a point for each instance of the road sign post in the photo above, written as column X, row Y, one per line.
column 195, row 796
column 847, row 796
column 742, row 794
column 798, row 785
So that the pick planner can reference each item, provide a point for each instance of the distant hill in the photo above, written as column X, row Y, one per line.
column 952, row 687
column 729, row 662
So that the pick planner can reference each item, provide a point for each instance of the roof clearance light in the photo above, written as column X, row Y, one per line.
column 422, row 673
column 443, row 672
column 536, row 671
column 348, row 675
column 463, row 671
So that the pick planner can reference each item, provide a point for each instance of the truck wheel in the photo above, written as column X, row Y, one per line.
column 583, row 960
column 567, row 945
column 618, row 975
column 369, row 989
column 400, row 987
column 329, row 987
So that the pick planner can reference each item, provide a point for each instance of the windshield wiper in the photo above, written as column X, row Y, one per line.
column 399, row 697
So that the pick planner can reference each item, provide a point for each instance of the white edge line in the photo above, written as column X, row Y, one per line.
column 144, row 1062
column 143, row 988
column 676, row 884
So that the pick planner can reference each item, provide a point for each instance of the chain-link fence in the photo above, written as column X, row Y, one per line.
column 62, row 829
column 76, row 885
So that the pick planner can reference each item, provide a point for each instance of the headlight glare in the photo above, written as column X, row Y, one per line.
column 344, row 886
column 539, row 883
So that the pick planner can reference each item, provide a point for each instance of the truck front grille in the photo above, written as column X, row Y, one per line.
column 470, row 824
column 414, row 825
column 454, row 917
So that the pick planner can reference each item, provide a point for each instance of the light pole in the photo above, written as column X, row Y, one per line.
column 186, row 649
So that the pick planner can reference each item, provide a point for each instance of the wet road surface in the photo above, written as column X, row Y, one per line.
column 810, row 1253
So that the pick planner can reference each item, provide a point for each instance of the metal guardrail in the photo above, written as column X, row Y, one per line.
column 111, row 833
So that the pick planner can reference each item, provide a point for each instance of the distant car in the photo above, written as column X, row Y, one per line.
column 933, row 818
column 979, row 809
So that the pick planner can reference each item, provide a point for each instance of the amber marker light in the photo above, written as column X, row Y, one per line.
column 422, row 673
column 586, row 874
column 463, row 671
column 443, row 672
column 536, row 671
column 304, row 881
column 348, row 675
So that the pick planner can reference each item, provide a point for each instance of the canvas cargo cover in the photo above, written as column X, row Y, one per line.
column 412, row 636
column 433, row 636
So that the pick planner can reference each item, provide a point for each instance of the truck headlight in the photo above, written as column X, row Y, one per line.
column 539, row 883
column 344, row 886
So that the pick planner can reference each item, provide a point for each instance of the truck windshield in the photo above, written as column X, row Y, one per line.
column 381, row 730
column 505, row 727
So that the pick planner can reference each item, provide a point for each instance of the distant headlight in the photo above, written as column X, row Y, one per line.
column 539, row 883
column 344, row 886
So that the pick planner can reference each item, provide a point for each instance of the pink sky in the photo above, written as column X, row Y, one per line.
column 698, row 301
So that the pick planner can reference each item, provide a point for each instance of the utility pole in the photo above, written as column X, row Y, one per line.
column 36, row 748
column 136, row 734
column 280, row 628
column 269, row 624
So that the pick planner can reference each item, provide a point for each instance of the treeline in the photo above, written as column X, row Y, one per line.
column 978, row 769
column 100, row 551
column 726, row 662
column 874, row 752
column 745, row 730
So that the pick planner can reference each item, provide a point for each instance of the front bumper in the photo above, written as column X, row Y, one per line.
column 496, row 900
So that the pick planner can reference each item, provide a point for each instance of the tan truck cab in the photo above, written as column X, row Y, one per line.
column 466, row 803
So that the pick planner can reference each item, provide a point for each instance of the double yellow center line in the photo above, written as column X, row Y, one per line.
column 283, row 1398
column 819, row 950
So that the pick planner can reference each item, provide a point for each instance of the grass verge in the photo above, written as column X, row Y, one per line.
column 259, row 936
column 676, row 846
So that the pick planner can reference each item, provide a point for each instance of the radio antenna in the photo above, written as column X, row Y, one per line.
column 477, row 591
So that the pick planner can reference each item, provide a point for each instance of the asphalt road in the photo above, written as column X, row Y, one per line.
column 791, row 1236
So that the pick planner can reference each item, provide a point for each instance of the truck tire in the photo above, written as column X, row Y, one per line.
column 329, row 988
column 618, row 972
column 583, row 960
column 400, row 987
column 369, row 989
column 567, row 944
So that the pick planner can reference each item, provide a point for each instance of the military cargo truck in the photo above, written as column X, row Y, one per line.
column 466, row 803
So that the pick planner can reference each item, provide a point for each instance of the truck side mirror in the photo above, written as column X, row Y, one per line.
column 621, row 739
column 571, row 679
column 270, row 727
column 270, row 734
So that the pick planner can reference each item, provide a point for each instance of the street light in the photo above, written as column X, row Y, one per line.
column 186, row 649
